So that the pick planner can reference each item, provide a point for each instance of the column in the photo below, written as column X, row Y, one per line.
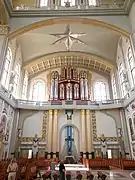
column 55, row 132
column 50, row 131
column 89, row 131
column 83, row 131
column 4, row 30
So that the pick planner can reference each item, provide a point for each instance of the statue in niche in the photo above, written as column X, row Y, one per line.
column 103, row 146
column 35, row 145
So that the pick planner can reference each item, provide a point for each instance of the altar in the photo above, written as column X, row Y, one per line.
column 74, row 168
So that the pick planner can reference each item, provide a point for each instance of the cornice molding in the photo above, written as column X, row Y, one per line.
column 77, row 12
column 128, row 5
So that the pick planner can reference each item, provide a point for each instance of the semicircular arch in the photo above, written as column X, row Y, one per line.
column 86, row 21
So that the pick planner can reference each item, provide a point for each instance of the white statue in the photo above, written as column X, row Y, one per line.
column 103, row 145
column 35, row 145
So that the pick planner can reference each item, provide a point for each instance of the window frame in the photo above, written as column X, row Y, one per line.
column 6, row 71
column 100, row 98
column 39, row 91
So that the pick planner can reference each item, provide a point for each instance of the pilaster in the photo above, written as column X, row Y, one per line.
column 89, row 132
column 50, row 131
column 55, row 132
column 83, row 131
column 4, row 30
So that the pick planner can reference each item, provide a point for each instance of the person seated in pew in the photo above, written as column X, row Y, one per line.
column 34, row 172
column 101, row 175
column 23, row 173
column 90, row 176
column 68, row 175
column 55, row 176
column 79, row 175
column 47, row 175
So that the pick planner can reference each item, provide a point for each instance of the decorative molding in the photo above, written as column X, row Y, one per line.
column 4, row 30
column 44, row 130
column 94, row 130
column 69, row 58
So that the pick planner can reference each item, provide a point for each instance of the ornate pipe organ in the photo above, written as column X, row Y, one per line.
column 69, row 85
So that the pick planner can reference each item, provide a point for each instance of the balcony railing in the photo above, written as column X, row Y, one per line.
column 56, row 5
column 75, row 104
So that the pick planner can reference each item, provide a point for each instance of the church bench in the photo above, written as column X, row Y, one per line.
column 128, row 164
column 98, row 164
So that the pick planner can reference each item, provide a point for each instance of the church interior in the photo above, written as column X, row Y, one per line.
column 67, row 83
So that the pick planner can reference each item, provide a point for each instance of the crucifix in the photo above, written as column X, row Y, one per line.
column 69, row 141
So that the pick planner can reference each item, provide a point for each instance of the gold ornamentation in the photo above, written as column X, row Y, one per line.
column 4, row 30
column 94, row 130
column 44, row 130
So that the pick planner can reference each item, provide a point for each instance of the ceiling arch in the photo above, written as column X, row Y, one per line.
column 53, row 21
column 58, row 60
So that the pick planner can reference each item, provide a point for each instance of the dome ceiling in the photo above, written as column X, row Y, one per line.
column 95, row 40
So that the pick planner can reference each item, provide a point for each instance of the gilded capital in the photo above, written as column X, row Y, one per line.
column 4, row 30
column 50, row 112
column 87, row 111
column 82, row 112
column 55, row 112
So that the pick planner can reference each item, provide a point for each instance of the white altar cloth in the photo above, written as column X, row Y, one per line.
column 74, row 167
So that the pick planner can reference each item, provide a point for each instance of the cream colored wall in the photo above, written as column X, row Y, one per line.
column 33, row 125
column 119, row 21
column 132, row 22
column 105, row 125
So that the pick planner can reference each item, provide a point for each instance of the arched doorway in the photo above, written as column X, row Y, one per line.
column 69, row 142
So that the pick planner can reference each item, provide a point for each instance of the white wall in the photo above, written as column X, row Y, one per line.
column 105, row 125
column 132, row 22
column 33, row 125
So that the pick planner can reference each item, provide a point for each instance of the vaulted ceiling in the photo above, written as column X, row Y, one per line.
column 97, row 41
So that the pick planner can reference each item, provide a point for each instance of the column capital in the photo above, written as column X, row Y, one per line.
column 50, row 112
column 4, row 29
column 87, row 111
column 83, row 111
column 55, row 111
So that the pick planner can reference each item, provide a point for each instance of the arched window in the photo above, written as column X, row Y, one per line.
column 16, row 78
column 123, row 79
column 131, row 62
column 100, row 91
column 38, row 91
column 43, row 3
column 25, row 84
column 6, row 70
column 114, row 87
column 70, row 2
column 92, row 2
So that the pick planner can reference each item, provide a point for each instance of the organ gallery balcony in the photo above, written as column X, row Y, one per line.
column 65, row 104
column 38, row 5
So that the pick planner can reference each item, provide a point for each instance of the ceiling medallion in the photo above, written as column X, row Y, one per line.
column 68, row 38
